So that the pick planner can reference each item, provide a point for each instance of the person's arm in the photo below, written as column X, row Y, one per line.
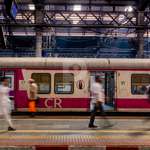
column 1, row 91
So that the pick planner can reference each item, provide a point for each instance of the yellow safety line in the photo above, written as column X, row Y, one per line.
column 76, row 119
column 74, row 137
column 78, row 131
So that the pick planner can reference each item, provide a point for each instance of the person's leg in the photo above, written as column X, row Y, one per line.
column 2, row 125
column 7, row 117
column 102, row 109
column 104, row 114
column 32, row 108
column 92, row 117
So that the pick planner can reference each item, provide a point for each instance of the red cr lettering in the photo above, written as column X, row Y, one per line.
column 55, row 101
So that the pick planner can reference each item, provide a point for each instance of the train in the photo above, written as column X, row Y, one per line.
column 64, row 83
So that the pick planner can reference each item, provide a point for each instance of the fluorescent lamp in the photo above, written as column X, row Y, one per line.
column 31, row 7
column 77, row 7
column 128, row 9
column 75, row 21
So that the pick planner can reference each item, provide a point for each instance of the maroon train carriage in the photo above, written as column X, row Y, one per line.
column 64, row 83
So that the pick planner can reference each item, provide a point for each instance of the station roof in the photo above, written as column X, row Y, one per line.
column 75, row 18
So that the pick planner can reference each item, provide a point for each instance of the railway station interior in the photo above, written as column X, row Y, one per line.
column 74, row 74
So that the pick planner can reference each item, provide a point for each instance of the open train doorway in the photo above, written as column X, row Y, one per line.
column 108, row 82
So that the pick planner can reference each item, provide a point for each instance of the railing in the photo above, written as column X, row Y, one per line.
column 101, row 53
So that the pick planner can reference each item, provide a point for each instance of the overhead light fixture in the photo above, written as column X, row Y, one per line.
column 77, row 7
column 75, row 21
column 128, row 9
column 31, row 7
column 121, row 17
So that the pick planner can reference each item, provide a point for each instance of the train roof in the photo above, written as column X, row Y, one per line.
column 83, row 63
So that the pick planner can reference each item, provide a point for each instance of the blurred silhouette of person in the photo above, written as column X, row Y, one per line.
column 5, row 103
column 143, row 89
column 33, row 90
column 98, row 98
column 148, row 91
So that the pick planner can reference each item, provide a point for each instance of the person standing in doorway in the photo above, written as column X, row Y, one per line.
column 5, row 103
column 97, row 100
column 33, row 89
column 148, row 91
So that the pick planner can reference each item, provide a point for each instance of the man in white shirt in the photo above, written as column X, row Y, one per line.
column 97, row 100
column 5, row 103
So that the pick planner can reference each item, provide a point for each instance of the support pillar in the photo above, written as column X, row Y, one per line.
column 39, row 32
column 38, row 43
column 140, row 35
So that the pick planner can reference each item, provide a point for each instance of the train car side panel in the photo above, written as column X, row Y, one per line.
column 131, row 93
column 77, row 100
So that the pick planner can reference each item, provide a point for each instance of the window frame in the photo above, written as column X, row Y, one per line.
column 49, row 82
column 132, row 82
column 72, row 91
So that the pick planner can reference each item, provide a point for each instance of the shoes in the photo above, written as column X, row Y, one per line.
column 92, row 126
column 32, row 115
column 11, row 129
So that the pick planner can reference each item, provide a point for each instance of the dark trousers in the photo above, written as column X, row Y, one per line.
column 97, row 106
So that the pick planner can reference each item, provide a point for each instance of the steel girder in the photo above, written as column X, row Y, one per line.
column 85, row 19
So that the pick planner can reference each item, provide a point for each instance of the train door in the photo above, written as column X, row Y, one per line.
column 110, row 89
column 108, row 82
column 11, row 77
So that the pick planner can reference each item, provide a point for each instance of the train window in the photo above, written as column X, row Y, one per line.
column 43, row 81
column 139, row 82
column 10, row 76
column 10, row 84
column 64, row 83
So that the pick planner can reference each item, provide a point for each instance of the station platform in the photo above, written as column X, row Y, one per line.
column 72, row 133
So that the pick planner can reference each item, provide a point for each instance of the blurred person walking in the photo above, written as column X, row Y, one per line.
column 147, row 91
column 97, row 101
column 5, row 103
column 33, row 90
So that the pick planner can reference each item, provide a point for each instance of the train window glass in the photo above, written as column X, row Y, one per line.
column 139, row 83
column 43, row 80
column 10, row 82
column 10, row 76
column 64, row 83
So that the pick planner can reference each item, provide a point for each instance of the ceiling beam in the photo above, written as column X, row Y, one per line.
column 76, row 25
column 2, row 40
column 142, row 4
column 92, row 2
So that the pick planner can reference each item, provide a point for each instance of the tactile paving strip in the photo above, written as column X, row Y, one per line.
column 74, row 140
column 17, row 148
column 74, row 147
